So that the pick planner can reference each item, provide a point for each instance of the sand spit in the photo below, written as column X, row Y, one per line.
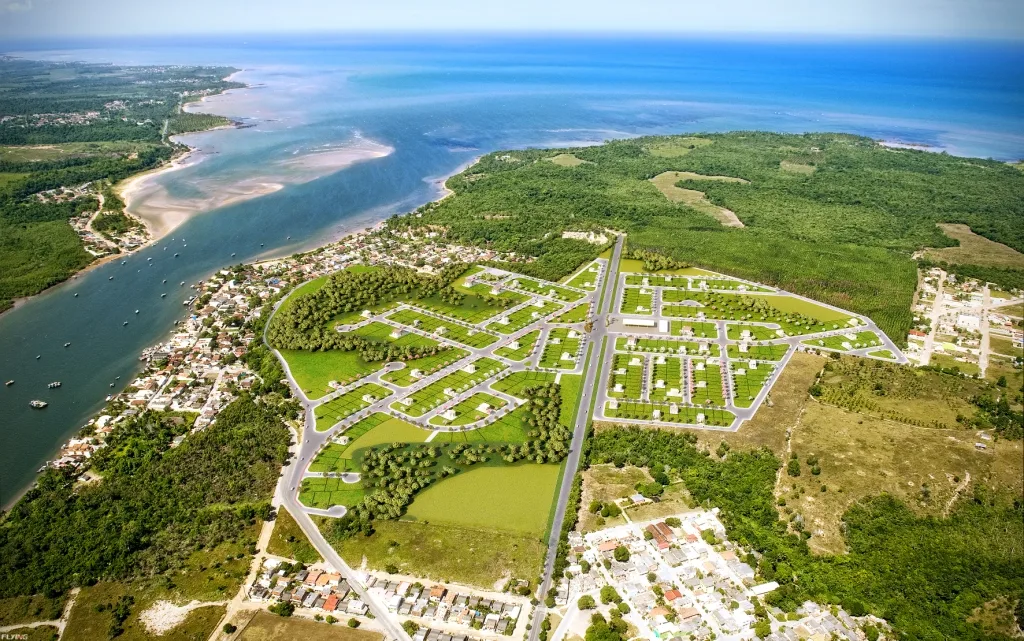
column 148, row 199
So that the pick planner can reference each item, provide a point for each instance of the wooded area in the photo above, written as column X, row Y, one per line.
column 842, row 232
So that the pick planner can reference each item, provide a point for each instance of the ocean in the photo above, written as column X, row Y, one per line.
column 435, row 103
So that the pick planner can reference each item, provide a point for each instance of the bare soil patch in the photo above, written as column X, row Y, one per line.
column 666, row 184
column 975, row 249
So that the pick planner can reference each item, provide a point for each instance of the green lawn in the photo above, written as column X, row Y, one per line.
column 511, row 498
column 429, row 397
column 645, row 411
column 525, row 316
column 347, row 404
column 636, row 300
column 663, row 345
column 314, row 370
column 467, row 411
column 851, row 340
column 451, row 331
column 694, row 329
column 586, row 278
column 526, row 344
column 515, row 382
column 324, row 493
column 558, row 344
column 376, row 429
column 748, row 384
column 711, row 377
column 577, row 314
column 426, row 365
column 759, row 352
column 545, row 289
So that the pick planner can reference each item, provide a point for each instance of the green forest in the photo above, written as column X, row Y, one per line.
column 831, row 216
column 68, row 124
column 155, row 504
column 924, row 575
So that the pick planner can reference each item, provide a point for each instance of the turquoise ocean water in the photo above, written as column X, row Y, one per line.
column 438, row 103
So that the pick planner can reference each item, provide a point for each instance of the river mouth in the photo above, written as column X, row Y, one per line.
column 149, row 198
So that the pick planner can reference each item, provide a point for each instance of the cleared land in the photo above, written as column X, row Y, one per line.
column 509, row 498
column 568, row 160
column 860, row 456
column 666, row 184
column 314, row 370
column 438, row 552
column 270, row 627
column 975, row 249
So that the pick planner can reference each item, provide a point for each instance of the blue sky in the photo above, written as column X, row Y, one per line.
column 1002, row 19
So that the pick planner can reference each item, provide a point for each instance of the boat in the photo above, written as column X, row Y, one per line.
column 9, row 383
column 136, row 311
column 165, row 281
column 124, row 262
column 38, row 404
column 182, row 284
column 232, row 254
column 38, row 357
column 111, row 384
column 67, row 344
column 54, row 385
column 109, row 396
column 110, row 278
column 150, row 258
column 124, row 323
column 175, row 254
column 76, row 294
column 163, row 295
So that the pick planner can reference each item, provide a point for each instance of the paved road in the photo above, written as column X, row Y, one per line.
column 572, row 462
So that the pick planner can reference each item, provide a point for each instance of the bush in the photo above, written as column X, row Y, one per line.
column 229, row 629
column 353, row 623
column 284, row 609
column 762, row 628
column 586, row 602
column 410, row 627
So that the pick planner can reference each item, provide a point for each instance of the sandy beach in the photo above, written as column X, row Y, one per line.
column 147, row 198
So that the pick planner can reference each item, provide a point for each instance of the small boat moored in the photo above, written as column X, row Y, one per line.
column 9, row 383
column 38, row 404
column 54, row 385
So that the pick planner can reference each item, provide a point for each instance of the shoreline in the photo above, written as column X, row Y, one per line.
column 120, row 189
column 329, row 240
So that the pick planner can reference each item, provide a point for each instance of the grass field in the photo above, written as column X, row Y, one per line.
column 472, row 308
column 664, row 346
column 606, row 483
column 796, row 167
column 423, row 400
column 676, row 147
column 666, row 184
column 507, row 498
column 568, row 160
column 748, row 381
column 270, row 627
column 468, row 411
column 426, row 365
column 844, row 342
column 322, row 492
column 376, row 429
column 347, row 404
column 861, row 456
column 626, row 379
column 636, row 301
column 511, row 428
column 546, row 289
column 577, row 314
column 288, row 540
column 381, row 333
column 451, row 331
column 526, row 344
column 711, row 392
column 26, row 609
column 694, row 329
column 314, row 370
column 638, row 410
column 473, row 556
column 586, row 278
column 561, row 342
column 665, row 377
column 515, row 382
column 760, row 352
column 523, row 317
column 975, row 250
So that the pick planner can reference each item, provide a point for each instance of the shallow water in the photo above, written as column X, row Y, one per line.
column 439, row 103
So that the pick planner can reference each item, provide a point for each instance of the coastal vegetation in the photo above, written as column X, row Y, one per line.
column 842, row 233
column 71, row 125
column 155, row 506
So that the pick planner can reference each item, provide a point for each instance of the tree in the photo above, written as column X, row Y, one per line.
column 284, row 609
column 353, row 622
column 586, row 602
column 762, row 628
column 673, row 521
column 624, row 607
column 229, row 629
column 410, row 627
column 793, row 468
column 621, row 554
column 610, row 595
